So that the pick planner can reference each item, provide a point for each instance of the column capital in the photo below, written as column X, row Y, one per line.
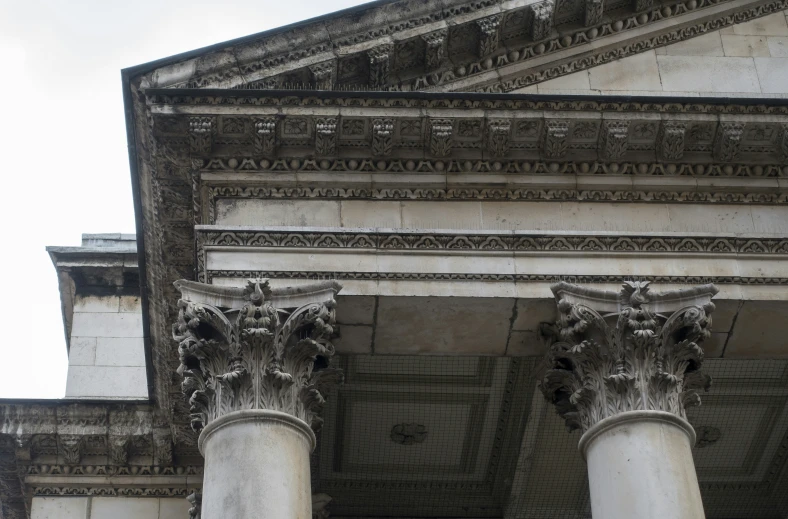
column 635, row 350
column 255, row 348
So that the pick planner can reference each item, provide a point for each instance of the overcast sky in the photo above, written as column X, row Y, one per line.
column 65, row 168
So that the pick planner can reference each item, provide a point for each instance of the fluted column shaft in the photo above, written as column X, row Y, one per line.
column 623, row 368
column 253, row 377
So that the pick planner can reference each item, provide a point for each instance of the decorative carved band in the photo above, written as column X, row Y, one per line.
column 631, row 351
column 257, row 356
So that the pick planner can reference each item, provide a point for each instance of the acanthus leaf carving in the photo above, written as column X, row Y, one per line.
column 440, row 137
column 69, row 446
column 555, row 143
column 195, row 504
column 542, row 19
column 434, row 48
column 201, row 132
column 782, row 144
column 727, row 143
column 266, row 358
column 326, row 135
column 498, row 136
column 382, row 137
column 671, row 140
column 118, row 453
column 615, row 137
column 603, row 363
column 324, row 75
column 265, row 136
column 379, row 65
column 592, row 15
column 488, row 34
column 642, row 5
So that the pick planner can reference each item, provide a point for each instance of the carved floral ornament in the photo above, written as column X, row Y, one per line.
column 247, row 353
column 641, row 352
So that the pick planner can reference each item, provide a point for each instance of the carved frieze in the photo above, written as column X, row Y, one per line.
column 614, row 139
column 555, row 143
column 594, row 9
column 382, row 137
column 201, row 132
column 671, row 140
column 498, row 136
column 440, row 137
column 256, row 357
column 488, row 34
column 379, row 65
column 782, row 142
column 542, row 19
column 434, row 48
column 639, row 351
column 326, row 135
column 324, row 75
column 727, row 143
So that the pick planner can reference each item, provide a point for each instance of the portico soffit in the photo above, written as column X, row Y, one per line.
column 493, row 45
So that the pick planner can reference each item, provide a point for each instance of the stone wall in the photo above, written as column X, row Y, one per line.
column 109, row 508
column 746, row 60
column 106, row 356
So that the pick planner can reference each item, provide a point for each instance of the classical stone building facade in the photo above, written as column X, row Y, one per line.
column 386, row 258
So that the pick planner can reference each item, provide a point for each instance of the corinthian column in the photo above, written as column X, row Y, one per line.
column 623, row 369
column 255, row 362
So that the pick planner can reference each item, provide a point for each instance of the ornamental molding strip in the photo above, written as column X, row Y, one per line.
column 631, row 351
column 350, row 52
column 255, row 348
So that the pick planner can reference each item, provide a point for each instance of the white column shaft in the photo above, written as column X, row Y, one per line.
column 640, row 467
column 257, row 466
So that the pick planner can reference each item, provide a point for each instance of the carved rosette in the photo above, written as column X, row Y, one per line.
column 255, row 357
column 646, row 355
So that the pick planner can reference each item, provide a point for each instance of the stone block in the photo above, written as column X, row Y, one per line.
column 576, row 81
column 59, row 508
column 355, row 260
column 289, row 213
column 82, row 351
column 355, row 309
column 96, row 324
column 638, row 72
column 531, row 312
column 96, row 304
column 173, row 508
column 110, row 382
column 761, row 330
column 409, row 325
column 772, row 74
column 770, row 219
column 724, row 314
column 526, row 344
column 771, row 25
column 744, row 46
column 708, row 74
column 360, row 213
column 615, row 217
column 522, row 216
column 441, row 215
column 705, row 218
column 354, row 339
column 120, row 351
column 704, row 45
column 714, row 346
column 778, row 46
column 130, row 304
column 124, row 508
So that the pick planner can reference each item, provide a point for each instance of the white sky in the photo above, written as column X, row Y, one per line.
column 64, row 166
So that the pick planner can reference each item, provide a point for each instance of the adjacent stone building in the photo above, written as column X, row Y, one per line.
column 385, row 258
